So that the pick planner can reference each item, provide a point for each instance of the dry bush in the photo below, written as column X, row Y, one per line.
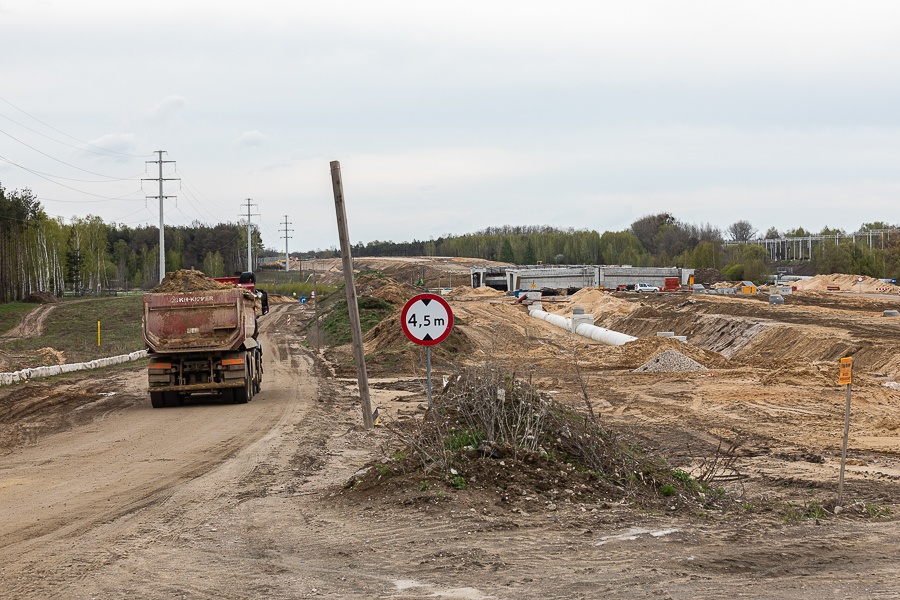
column 484, row 414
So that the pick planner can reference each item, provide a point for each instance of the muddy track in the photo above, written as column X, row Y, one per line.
column 32, row 324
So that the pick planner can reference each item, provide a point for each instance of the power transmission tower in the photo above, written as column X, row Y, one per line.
column 250, row 234
column 161, row 197
column 287, row 257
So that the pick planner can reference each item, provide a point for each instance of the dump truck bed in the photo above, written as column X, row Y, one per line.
column 210, row 320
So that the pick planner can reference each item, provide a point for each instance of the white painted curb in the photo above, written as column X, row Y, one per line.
column 36, row 372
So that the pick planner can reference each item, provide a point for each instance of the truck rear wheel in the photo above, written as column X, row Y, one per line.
column 157, row 399
column 243, row 394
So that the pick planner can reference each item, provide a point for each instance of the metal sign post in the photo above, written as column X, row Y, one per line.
column 845, row 377
column 427, row 320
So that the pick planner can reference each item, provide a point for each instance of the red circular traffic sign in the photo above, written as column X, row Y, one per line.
column 427, row 319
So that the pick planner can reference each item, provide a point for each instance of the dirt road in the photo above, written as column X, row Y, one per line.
column 103, row 497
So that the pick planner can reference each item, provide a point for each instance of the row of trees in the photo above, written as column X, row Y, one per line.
column 657, row 240
column 38, row 253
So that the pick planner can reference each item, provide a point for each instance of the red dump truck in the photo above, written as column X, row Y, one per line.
column 202, row 342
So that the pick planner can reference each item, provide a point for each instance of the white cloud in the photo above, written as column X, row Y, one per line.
column 250, row 139
column 113, row 143
column 169, row 109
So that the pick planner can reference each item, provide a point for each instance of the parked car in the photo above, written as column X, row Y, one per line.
column 644, row 287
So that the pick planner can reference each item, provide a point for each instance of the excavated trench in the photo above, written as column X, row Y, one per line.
column 750, row 332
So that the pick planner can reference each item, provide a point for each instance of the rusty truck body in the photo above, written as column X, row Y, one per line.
column 202, row 342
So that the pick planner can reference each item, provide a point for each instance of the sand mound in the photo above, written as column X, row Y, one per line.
column 464, row 291
column 846, row 283
column 188, row 280
column 385, row 288
column 597, row 303
column 51, row 356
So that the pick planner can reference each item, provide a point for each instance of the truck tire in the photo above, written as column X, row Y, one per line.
column 157, row 400
column 243, row 394
column 257, row 375
column 172, row 398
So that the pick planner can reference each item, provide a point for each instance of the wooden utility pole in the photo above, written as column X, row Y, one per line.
column 353, row 308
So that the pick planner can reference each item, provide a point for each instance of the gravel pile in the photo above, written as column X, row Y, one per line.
column 670, row 361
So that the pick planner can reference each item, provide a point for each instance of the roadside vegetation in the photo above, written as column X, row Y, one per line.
column 298, row 284
column 335, row 323
column 70, row 333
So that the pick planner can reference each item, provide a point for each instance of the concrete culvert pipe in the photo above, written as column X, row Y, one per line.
column 599, row 334
column 606, row 336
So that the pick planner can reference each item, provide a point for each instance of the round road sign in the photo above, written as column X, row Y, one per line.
column 427, row 319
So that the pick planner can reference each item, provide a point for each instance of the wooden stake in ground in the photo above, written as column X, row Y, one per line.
column 352, row 307
column 845, row 378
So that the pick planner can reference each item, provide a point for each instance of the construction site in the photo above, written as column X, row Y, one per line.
column 719, row 420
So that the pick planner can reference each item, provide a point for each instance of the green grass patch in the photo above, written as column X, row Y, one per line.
column 289, row 283
column 298, row 290
column 457, row 482
column 336, row 323
column 12, row 313
column 71, row 327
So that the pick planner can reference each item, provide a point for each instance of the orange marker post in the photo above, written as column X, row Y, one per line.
column 845, row 378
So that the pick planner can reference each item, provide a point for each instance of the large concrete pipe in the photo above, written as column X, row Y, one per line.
column 599, row 334
column 606, row 336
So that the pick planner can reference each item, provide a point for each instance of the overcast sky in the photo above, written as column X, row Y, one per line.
column 448, row 117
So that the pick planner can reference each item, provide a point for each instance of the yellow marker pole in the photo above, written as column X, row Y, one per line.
column 98, row 334
column 845, row 377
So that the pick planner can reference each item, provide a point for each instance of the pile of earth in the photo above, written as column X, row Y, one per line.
column 541, row 454
column 708, row 276
column 189, row 280
column 387, row 348
column 384, row 288
column 848, row 283
column 467, row 291
column 41, row 298
column 51, row 356
column 386, row 345
column 594, row 302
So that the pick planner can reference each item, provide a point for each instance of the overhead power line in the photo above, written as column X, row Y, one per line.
column 105, row 198
column 70, row 136
column 56, row 159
